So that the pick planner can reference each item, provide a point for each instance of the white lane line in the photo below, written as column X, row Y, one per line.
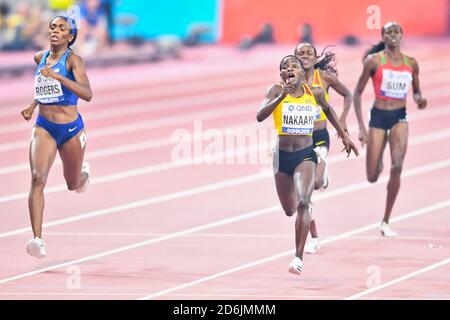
column 217, row 296
column 145, row 144
column 400, row 279
column 154, row 100
column 228, row 154
column 223, row 235
column 153, row 94
column 145, row 243
column 155, row 143
column 149, row 107
column 208, row 296
column 146, row 202
column 341, row 236
column 242, row 217
column 231, row 97
column 142, row 92
column 147, row 124
column 163, row 142
column 224, row 184
column 156, row 122
column 151, row 234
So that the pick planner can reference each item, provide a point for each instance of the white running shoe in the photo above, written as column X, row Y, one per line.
column 86, row 168
column 386, row 231
column 312, row 246
column 296, row 266
column 36, row 248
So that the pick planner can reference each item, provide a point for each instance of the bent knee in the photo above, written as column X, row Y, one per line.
column 38, row 179
column 303, row 206
column 397, row 167
column 372, row 178
column 318, row 184
column 289, row 211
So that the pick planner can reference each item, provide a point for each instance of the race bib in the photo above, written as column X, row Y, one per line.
column 395, row 84
column 47, row 90
column 298, row 118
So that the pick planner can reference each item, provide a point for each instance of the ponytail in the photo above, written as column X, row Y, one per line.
column 326, row 61
column 380, row 46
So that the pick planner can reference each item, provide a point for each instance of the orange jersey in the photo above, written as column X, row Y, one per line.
column 317, row 82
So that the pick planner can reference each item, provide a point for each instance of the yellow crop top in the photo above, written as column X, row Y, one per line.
column 296, row 116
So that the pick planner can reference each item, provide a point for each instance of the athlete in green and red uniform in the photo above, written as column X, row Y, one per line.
column 392, row 74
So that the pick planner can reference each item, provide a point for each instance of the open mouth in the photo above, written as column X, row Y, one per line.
column 54, row 37
column 304, row 60
column 290, row 78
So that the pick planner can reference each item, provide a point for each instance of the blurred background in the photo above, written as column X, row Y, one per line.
column 203, row 54
column 116, row 32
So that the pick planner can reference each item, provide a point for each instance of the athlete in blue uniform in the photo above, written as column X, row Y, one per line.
column 60, row 79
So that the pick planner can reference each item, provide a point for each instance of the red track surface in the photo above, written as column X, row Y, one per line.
column 148, row 228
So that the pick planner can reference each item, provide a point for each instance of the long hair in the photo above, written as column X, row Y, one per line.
column 326, row 61
column 73, row 27
column 380, row 46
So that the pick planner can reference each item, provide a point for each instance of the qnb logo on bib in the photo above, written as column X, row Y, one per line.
column 319, row 112
column 298, row 118
column 395, row 84
column 47, row 90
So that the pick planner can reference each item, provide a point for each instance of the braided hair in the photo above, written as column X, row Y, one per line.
column 326, row 61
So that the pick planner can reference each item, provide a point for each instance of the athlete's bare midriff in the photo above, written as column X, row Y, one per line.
column 389, row 104
column 58, row 114
column 319, row 125
column 292, row 143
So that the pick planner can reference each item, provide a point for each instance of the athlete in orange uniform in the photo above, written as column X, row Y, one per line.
column 294, row 106
column 320, row 72
column 392, row 74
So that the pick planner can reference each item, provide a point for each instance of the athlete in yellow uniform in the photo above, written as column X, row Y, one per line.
column 294, row 106
column 320, row 72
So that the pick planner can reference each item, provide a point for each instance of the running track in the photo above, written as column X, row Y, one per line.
column 149, row 228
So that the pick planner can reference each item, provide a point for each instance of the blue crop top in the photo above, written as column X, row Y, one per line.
column 49, row 91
